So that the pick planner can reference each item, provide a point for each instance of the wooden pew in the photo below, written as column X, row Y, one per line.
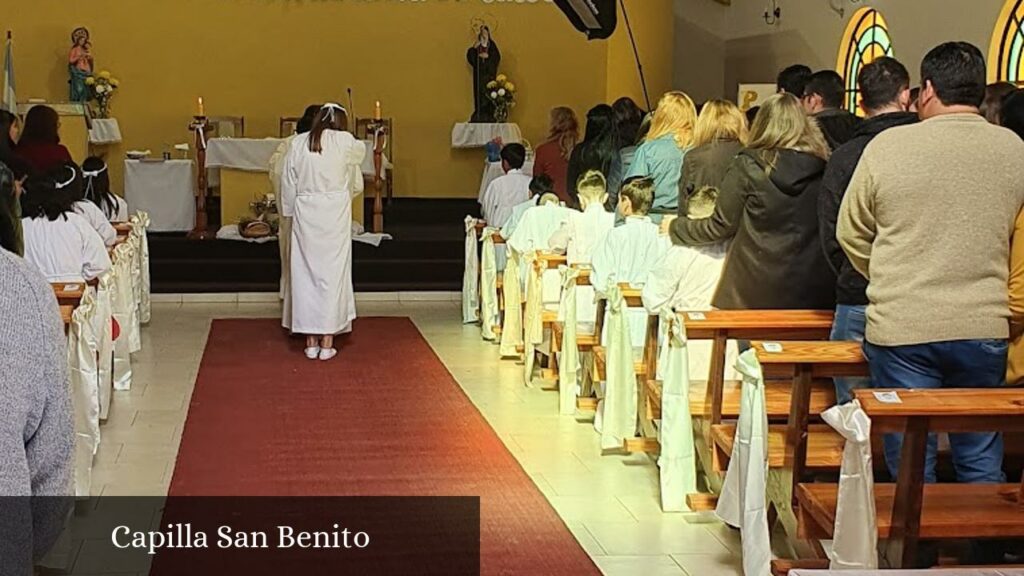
column 911, row 511
column 585, row 342
column 123, row 229
column 548, row 261
column 717, row 400
column 69, row 295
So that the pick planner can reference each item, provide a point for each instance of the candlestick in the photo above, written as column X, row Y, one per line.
column 377, row 112
column 202, row 109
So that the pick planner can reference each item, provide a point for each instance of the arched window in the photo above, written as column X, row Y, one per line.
column 1005, row 61
column 866, row 38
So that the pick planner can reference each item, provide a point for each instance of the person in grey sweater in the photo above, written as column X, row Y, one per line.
column 36, row 421
column 927, row 219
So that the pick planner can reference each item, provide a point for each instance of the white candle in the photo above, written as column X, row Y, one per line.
column 202, row 109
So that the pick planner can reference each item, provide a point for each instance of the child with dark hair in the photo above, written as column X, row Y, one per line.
column 539, row 187
column 507, row 191
column 58, row 241
column 68, row 180
column 97, row 190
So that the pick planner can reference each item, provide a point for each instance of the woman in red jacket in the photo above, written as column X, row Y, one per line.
column 40, row 145
column 552, row 157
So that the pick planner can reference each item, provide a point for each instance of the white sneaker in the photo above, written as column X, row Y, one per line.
column 312, row 352
column 328, row 353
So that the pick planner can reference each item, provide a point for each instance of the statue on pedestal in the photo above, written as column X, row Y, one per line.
column 80, row 64
column 484, row 57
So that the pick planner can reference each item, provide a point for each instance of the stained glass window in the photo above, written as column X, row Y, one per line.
column 1005, row 62
column 866, row 38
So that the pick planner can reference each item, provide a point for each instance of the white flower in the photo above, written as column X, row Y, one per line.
column 502, row 92
column 100, row 89
column 494, row 94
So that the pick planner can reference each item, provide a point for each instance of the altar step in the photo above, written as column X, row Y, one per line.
column 425, row 255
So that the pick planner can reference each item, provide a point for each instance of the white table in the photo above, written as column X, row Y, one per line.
column 164, row 189
column 253, row 155
column 493, row 170
column 472, row 135
column 104, row 131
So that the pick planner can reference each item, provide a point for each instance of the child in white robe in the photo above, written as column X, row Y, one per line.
column 685, row 279
column 59, row 242
column 69, row 181
column 509, row 190
column 629, row 252
column 97, row 190
column 532, row 233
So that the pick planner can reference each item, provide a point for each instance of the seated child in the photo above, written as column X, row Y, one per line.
column 97, row 190
column 629, row 252
column 532, row 233
column 509, row 190
column 539, row 186
column 58, row 241
column 68, row 179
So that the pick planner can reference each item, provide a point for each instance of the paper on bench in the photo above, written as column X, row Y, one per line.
column 855, row 541
column 743, row 501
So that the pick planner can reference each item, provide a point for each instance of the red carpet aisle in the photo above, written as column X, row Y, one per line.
column 383, row 419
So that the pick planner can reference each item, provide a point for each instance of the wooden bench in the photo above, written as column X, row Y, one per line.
column 123, row 229
column 543, row 262
column 909, row 510
column 716, row 400
column 69, row 295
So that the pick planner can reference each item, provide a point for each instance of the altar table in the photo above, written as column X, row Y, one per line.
column 240, row 166
column 164, row 189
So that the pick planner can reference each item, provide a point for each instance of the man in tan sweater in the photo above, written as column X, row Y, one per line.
column 927, row 218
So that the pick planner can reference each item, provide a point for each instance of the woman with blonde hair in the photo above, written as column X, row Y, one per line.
column 660, row 157
column 720, row 134
column 552, row 157
column 768, row 207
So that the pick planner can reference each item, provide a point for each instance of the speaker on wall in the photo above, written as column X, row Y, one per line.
column 595, row 18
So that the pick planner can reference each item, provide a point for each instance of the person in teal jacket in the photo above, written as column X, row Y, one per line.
column 660, row 157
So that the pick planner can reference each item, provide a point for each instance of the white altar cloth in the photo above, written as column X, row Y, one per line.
column 164, row 189
column 104, row 131
column 253, row 155
column 471, row 135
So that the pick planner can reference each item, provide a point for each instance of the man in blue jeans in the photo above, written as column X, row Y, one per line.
column 927, row 219
column 885, row 98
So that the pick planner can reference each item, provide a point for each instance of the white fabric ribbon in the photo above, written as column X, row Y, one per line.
column 743, row 501
column 140, row 226
column 512, row 329
column 619, row 408
column 471, row 276
column 104, row 332
column 83, row 345
column 569, row 360
column 678, row 461
column 855, row 538
column 121, row 304
column 533, row 325
column 489, row 312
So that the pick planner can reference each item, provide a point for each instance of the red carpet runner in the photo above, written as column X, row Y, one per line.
column 385, row 418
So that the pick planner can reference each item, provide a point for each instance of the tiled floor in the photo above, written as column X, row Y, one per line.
column 609, row 502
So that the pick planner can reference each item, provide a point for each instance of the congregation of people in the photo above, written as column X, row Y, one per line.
column 903, row 219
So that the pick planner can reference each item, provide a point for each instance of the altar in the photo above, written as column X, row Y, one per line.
column 240, row 167
column 478, row 135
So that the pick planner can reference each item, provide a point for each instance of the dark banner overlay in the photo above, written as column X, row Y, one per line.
column 247, row 535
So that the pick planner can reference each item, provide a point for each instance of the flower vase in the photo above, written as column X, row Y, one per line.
column 501, row 114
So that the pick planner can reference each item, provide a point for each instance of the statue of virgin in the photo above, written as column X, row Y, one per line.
column 80, row 64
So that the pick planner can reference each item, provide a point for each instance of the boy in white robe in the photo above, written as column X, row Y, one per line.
column 629, row 252
column 509, row 190
column 59, row 242
column 532, row 234
column 685, row 279
column 539, row 186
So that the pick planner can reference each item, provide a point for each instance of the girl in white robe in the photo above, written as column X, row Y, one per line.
column 69, row 180
column 59, row 242
column 97, row 190
column 321, row 174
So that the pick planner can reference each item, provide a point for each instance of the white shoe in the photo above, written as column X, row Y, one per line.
column 312, row 352
column 328, row 353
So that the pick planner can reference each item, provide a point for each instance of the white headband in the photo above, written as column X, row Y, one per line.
column 330, row 107
column 94, row 173
column 62, row 185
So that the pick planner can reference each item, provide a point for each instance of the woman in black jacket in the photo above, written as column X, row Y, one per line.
column 768, row 207
column 599, row 151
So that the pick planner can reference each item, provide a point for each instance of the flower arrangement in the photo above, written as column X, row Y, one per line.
column 502, row 93
column 101, row 89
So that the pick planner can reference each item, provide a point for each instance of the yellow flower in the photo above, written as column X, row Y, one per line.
column 115, row 82
column 89, row 81
column 105, row 75
column 502, row 77
column 510, row 87
column 492, row 84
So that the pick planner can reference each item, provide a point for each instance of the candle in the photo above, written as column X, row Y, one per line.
column 202, row 109
column 376, row 111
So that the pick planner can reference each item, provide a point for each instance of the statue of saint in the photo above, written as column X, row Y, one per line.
column 80, row 64
column 484, row 57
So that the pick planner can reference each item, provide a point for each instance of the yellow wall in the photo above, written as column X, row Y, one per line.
column 268, row 58
column 653, row 27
